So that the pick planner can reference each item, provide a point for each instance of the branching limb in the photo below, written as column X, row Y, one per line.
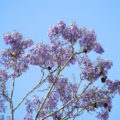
column 52, row 86
column 67, row 102
column 40, row 83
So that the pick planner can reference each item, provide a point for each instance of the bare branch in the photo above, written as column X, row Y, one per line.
column 31, row 90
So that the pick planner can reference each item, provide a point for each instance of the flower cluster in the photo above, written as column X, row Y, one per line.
column 92, row 71
column 9, row 61
column 15, row 57
column 54, row 55
column 2, row 106
column 88, row 41
column 61, row 53
column 3, row 75
column 64, row 92
column 72, row 33
column 64, row 89
column 94, row 99
column 41, row 55
column 103, row 115
column 16, row 42
column 113, row 86
column 33, row 105
column 3, row 93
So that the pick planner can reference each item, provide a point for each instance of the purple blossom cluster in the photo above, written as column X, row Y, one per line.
column 113, row 86
column 3, row 92
column 104, row 115
column 64, row 92
column 93, row 99
column 64, row 89
column 57, row 56
column 88, row 41
column 3, row 75
column 2, row 106
column 61, row 53
column 9, row 61
column 15, row 57
column 92, row 71
column 28, row 117
column 16, row 42
column 33, row 105
column 50, row 55
column 72, row 34
column 41, row 55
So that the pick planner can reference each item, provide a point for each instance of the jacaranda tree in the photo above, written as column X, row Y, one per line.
column 63, row 98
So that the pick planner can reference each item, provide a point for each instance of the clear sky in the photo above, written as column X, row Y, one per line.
column 32, row 18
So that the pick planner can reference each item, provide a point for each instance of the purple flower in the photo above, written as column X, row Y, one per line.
column 113, row 86
column 88, row 41
column 54, row 55
column 28, row 117
column 41, row 55
column 64, row 89
column 93, row 70
column 16, row 42
column 33, row 105
column 93, row 99
column 71, row 33
column 104, row 65
column 3, row 75
column 97, row 48
column 103, row 115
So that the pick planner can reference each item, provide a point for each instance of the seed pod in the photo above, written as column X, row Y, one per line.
column 105, row 105
column 103, row 79
column 109, row 109
column 95, row 105
column 119, row 82
column 49, row 68
column 101, row 72
column 85, row 50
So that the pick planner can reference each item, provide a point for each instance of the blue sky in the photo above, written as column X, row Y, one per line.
column 32, row 18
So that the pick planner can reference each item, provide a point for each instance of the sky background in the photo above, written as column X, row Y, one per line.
column 32, row 18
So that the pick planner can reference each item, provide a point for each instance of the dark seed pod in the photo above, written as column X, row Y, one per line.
column 49, row 68
column 103, row 79
column 25, row 66
column 119, row 82
column 109, row 109
column 85, row 50
column 57, row 117
column 74, row 41
column 101, row 72
column 105, row 105
column 76, row 106
column 95, row 105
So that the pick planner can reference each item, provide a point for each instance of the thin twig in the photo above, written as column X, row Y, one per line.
column 67, row 102
column 31, row 91
column 52, row 86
